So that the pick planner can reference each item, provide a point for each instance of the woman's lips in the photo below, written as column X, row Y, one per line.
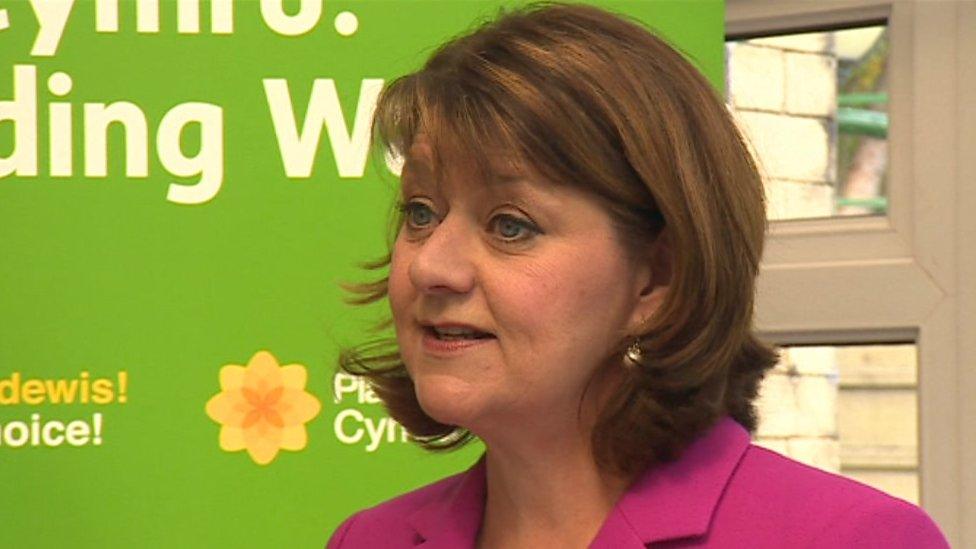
column 435, row 345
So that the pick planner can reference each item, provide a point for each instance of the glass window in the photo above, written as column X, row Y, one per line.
column 849, row 409
column 814, row 108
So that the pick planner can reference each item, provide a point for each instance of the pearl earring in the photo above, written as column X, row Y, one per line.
column 634, row 352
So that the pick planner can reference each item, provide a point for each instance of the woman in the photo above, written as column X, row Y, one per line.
column 572, row 282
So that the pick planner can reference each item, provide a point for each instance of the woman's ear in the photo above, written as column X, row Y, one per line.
column 654, row 278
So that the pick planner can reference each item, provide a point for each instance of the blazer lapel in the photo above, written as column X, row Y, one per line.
column 453, row 521
column 677, row 499
column 670, row 501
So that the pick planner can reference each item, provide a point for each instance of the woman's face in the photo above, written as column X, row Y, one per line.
column 506, row 297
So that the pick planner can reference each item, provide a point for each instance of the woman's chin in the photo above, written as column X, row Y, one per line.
column 449, row 403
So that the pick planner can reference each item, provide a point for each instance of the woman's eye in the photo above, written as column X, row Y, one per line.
column 417, row 214
column 511, row 228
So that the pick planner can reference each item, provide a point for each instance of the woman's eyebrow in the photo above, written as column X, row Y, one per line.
column 512, row 178
column 418, row 182
column 507, row 178
column 415, row 173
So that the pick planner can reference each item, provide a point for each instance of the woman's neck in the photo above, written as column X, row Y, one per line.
column 548, row 494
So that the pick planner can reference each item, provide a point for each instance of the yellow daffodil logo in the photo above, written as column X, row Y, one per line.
column 262, row 407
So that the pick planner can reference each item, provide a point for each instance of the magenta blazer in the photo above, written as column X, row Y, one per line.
column 722, row 492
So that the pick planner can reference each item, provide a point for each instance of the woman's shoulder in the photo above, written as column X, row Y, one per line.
column 390, row 520
column 794, row 500
column 787, row 480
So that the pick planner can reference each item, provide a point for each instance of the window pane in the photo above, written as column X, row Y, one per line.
column 814, row 108
column 850, row 409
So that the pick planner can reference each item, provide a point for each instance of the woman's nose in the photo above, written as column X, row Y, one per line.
column 443, row 262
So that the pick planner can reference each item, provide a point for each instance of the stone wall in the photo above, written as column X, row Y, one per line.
column 798, row 407
column 783, row 92
column 849, row 409
column 877, row 413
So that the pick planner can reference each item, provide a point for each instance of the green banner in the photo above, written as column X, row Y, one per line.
column 183, row 186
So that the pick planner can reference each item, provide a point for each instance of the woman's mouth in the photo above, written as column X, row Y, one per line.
column 452, row 334
column 444, row 340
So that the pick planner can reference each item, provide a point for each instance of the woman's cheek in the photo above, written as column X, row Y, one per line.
column 399, row 289
column 554, row 287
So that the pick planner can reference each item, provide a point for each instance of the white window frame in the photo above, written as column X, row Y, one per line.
column 911, row 274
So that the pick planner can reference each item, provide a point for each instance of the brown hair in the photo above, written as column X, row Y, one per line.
column 593, row 100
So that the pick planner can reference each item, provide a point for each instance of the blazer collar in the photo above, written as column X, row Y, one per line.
column 453, row 520
column 677, row 499
column 669, row 501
